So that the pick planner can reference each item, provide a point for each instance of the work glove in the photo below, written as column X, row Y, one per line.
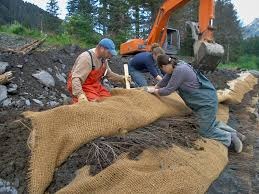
column 6, row 77
column 82, row 98
column 150, row 89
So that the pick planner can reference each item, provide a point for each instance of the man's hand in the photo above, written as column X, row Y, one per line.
column 128, row 79
column 82, row 98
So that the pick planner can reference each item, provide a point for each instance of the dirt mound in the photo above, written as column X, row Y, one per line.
column 241, row 174
column 220, row 77
column 12, row 41
column 30, row 92
column 13, row 150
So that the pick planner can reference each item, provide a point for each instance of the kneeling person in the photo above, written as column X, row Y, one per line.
column 198, row 94
column 84, row 81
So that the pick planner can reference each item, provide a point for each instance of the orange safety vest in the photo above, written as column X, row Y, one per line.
column 92, row 86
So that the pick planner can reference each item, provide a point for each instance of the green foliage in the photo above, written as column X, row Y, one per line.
column 61, row 39
column 52, row 39
column 187, row 43
column 72, row 7
column 27, row 14
column 228, row 30
column 52, row 7
column 81, row 28
column 18, row 29
column 251, row 46
column 244, row 62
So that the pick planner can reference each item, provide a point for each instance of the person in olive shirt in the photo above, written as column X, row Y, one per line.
column 145, row 62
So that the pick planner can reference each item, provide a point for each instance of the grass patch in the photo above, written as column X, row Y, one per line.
column 62, row 39
column 244, row 62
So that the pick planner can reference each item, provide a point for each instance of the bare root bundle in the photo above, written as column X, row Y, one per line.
column 102, row 152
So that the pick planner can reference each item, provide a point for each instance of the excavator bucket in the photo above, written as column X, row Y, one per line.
column 207, row 55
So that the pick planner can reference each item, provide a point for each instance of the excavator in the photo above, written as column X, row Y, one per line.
column 207, row 53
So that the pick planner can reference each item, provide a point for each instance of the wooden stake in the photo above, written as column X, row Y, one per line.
column 126, row 73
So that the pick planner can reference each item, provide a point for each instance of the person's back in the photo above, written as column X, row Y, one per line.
column 145, row 62
column 141, row 60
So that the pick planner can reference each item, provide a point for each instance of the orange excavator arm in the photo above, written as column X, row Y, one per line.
column 159, row 29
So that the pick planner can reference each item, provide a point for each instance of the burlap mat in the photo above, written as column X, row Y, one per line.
column 238, row 87
column 176, row 170
column 60, row 131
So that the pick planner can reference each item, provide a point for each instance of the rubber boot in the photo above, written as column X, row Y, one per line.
column 237, row 143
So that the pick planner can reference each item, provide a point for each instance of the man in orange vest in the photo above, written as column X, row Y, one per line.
column 84, row 81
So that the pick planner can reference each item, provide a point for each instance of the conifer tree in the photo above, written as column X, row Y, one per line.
column 52, row 7
column 72, row 7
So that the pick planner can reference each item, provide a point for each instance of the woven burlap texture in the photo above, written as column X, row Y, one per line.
column 60, row 131
column 176, row 170
column 237, row 88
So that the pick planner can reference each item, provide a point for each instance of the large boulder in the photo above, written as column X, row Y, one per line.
column 45, row 78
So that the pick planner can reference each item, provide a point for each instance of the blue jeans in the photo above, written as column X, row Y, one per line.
column 137, row 76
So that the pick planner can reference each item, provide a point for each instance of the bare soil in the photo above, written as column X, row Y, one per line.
column 241, row 173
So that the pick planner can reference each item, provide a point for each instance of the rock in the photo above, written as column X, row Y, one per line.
column 56, row 60
column 49, row 69
column 66, row 99
column 64, row 75
column 5, row 187
column 52, row 103
column 53, row 98
column 22, row 98
column 45, row 78
column 60, row 61
column 61, row 78
column 7, row 102
column 71, row 50
column 12, row 89
column 64, row 95
column 63, row 66
column 38, row 102
column 20, row 66
column 53, row 93
column 16, row 182
column 3, row 93
column 3, row 66
column 19, row 103
column 24, row 93
column 28, row 102
column 41, row 97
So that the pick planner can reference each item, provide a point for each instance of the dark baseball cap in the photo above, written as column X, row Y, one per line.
column 109, row 44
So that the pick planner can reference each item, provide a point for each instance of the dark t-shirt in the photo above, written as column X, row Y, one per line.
column 145, row 62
